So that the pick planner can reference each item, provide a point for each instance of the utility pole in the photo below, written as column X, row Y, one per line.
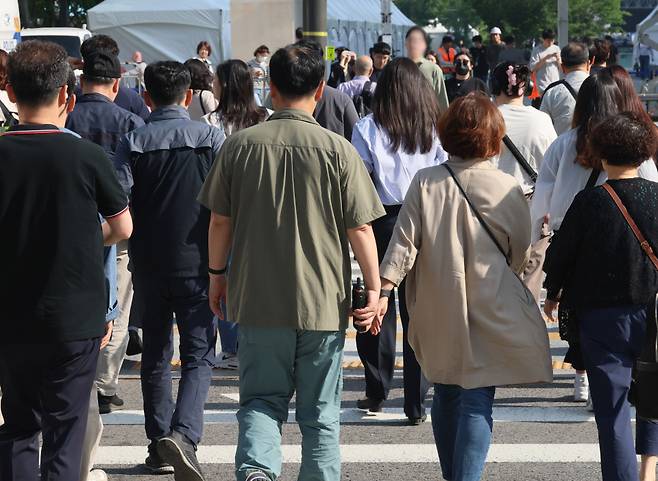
column 315, row 21
column 387, row 22
column 562, row 22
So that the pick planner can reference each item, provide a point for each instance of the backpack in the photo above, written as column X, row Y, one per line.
column 555, row 84
column 363, row 101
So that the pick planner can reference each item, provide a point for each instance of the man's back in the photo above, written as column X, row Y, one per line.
column 292, row 189
column 169, row 159
column 99, row 120
column 335, row 111
column 52, row 286
column 131, row 101
column 559, row 103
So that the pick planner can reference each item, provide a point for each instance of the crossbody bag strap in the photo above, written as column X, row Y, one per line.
column 646, row 247
column 520, row 158
column 593, row 177
column 477, row 214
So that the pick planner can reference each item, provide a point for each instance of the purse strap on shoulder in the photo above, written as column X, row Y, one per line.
column 646, row 247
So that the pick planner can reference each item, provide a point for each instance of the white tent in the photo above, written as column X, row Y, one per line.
column 646, row 33
column 359, row 35
column 165, row 29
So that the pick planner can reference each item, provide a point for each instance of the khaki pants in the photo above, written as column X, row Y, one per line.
column 533, row 275
column 92, row 437
column 111, row 358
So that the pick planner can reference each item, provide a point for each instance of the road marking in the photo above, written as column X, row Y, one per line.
column 501, row 414
column 377, row 453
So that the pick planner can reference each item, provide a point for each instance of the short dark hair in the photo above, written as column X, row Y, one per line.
column 167, row 82
column 420, row 30
column 472, row 128
column 381, row 47
column 296, row 71
column 261, row 48
column 204, row 44
column 574, row 54
column 36, row 71
column 501, row 76
column 99, row 42
column 71, row 83
column 200, row 76
column 477, row 38
column 548, row 34
column 299, row 33
column 624, row 139
column 447, row 39
column 599, row 52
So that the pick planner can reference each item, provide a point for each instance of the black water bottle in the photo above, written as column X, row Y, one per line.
column 359, row 301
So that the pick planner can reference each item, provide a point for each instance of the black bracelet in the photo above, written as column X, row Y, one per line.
column 216, row 272
column 385, row 293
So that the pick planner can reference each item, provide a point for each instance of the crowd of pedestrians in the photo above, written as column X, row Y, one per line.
column 237, row 196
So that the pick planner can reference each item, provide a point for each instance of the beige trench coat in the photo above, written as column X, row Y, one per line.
column 472, row 322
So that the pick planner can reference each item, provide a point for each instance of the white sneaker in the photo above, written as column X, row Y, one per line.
column 228, row 361
column 581, row 388
column 97, row 475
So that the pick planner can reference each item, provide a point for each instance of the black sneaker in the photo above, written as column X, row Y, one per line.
column 417, row 421
column 135, row 345
column 107, row 404
column 370, row 404
column 257, row 476
column 155, row 464
column 178, row 451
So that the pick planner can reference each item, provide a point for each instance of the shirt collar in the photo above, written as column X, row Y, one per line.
column 35, row 128
column 293, row 114
column 170, row 112
column 94, row 97
column 576, row 74
column 363, row 78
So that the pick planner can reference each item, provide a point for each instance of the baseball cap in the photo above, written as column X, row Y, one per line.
column 381, row 47
column 102, row 64
column 496, row 30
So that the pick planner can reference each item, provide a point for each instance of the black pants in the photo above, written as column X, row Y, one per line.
column 188, row 299
column 378, row 352
column 45, row 389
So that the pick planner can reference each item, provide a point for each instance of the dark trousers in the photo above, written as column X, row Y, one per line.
column 45, row 389
column 378, row 352
column 611, row 340
column 160, row 299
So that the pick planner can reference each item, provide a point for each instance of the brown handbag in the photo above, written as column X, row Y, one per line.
column 644, row 388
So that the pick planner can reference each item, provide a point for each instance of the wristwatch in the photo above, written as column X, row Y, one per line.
column 385, row 293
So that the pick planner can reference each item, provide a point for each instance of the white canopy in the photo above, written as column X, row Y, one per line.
column 165, row 29
column 359, row 35
column 647, row 33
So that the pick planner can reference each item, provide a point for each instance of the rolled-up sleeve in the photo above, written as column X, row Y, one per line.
column 405, row 242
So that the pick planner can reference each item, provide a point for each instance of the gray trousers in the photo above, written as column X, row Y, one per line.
column 111, row 358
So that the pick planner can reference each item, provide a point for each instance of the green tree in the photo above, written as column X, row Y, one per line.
column 592, row 18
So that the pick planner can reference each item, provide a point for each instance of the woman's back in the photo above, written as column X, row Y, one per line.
column 607, row 266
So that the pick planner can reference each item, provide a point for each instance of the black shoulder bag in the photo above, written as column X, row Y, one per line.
column 555, row 84
column 525, row 165
column 566, row 315
column 10, row 119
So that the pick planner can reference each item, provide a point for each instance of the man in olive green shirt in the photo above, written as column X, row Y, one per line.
column 289, row 197
column 416, row 44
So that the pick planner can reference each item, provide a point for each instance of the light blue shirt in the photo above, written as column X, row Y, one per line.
column 356, row 86
column 391, row 172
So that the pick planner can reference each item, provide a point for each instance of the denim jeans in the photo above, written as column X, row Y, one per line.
column 274, row 363
column 611, row 340
column 462, row 421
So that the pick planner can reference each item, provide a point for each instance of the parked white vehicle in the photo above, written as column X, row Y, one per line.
column 69, row 38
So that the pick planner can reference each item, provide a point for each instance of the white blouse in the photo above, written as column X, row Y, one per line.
column 561, row 178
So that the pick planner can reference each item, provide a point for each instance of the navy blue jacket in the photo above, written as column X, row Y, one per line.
column 133, row 102
column 164, row 165
column 96, row 118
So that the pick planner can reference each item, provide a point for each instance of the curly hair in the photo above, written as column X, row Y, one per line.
column 624, row 139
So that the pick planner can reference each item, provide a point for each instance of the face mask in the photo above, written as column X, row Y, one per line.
column 462, row 69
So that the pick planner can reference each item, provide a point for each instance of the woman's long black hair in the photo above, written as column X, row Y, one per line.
column 406, row 107
column 237, row 105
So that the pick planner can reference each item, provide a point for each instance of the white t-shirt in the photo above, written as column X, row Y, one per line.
column 550, row 71
column 561, row 178
column 532, row 132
